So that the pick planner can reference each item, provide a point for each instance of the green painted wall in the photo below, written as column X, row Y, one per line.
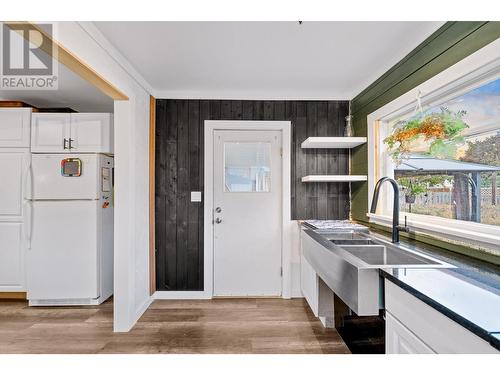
column 449, row 44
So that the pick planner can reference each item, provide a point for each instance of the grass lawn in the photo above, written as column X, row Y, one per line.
column 489, row 214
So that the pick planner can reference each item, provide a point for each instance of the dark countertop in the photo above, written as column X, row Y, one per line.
column 468, row 294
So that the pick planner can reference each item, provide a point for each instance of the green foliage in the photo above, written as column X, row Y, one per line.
column 443, row 149
column 453, row 122
column 442, row 130
column 486, row 151
column 420, row 184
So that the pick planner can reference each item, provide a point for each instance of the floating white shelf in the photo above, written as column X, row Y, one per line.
column 333, row 142
column 334, row 178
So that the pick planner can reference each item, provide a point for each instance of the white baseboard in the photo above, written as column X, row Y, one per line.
column 164, row 294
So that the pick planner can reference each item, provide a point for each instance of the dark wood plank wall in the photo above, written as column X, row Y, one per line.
column 179, row 170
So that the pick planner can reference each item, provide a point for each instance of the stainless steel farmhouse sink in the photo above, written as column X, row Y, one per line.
column 381, row 256
column 349, row 263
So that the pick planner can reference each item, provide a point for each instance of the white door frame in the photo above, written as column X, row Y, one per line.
column 210, row 127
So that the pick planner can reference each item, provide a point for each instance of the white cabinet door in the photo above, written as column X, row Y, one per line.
column 15, row 127
column 12, row 277
column 437, row 331
column 50, row 132
column 13, row 169
column 309, row 284
column 400, row 340
column 91, row 132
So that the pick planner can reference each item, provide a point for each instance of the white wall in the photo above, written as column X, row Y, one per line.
column 131, row 293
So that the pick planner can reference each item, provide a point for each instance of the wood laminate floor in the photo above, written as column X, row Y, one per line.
column 203, row 326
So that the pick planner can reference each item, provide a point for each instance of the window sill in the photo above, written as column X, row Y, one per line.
column 485, row 236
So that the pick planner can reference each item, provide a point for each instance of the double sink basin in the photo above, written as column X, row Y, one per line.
column 349, row 262
column 378, row 253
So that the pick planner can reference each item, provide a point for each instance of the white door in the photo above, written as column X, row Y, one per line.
column 247, row 213
column 91, row 132
column 63, row 258
column 15, row 127
column 50, row 132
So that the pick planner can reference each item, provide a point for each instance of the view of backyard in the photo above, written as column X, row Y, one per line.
column 447, row 158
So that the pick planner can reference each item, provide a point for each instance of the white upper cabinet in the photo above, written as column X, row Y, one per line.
column 75, row 132
column 50, row 132
column 91, row 132
column 15, row 127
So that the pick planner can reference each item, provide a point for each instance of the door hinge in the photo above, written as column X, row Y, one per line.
column 281, row 151
column 281, row 271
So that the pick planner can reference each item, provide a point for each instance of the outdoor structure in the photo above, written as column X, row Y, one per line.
column 466, row 176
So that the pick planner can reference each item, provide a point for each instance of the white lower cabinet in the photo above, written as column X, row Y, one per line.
column 14, row 164
column 413, row 326
column 318, row 295
column 12, row 275
column 309, row 285
column 400, row 340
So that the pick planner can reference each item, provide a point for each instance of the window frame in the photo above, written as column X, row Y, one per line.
column 481, row 67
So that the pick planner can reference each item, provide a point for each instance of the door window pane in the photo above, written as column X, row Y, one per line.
column 247, row 167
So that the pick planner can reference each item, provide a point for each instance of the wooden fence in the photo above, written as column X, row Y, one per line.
column 444, row 196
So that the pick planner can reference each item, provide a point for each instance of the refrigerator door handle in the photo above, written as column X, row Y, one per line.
column 28, row 194
column 65, row 141
column 29, row 172
column 29, row 231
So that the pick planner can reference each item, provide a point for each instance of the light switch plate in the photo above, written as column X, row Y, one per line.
column 196, row 196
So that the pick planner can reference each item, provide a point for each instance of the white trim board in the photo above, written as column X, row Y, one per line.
column 285, row 127
column 291, row 95
column 473, row 71
column 174, row 294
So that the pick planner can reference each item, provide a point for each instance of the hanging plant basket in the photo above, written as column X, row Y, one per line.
column 410, row 199
column 438, row 134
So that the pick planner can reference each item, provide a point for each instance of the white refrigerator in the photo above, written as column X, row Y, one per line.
column 70, row 229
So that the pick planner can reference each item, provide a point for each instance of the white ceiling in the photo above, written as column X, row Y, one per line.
column 72, row 92
column 263, row 60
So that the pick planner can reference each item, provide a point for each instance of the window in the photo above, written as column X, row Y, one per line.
column 445, row 185
column 447, row 158
column 247, row 167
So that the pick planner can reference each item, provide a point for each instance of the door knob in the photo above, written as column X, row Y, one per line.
column 218, row 220
column 218, row 210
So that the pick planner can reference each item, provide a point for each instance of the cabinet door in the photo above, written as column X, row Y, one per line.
column 13, row 169
column 15, row 127
column 49, row 132
column 91, row 132
column 400, row 340
column 11, row 257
